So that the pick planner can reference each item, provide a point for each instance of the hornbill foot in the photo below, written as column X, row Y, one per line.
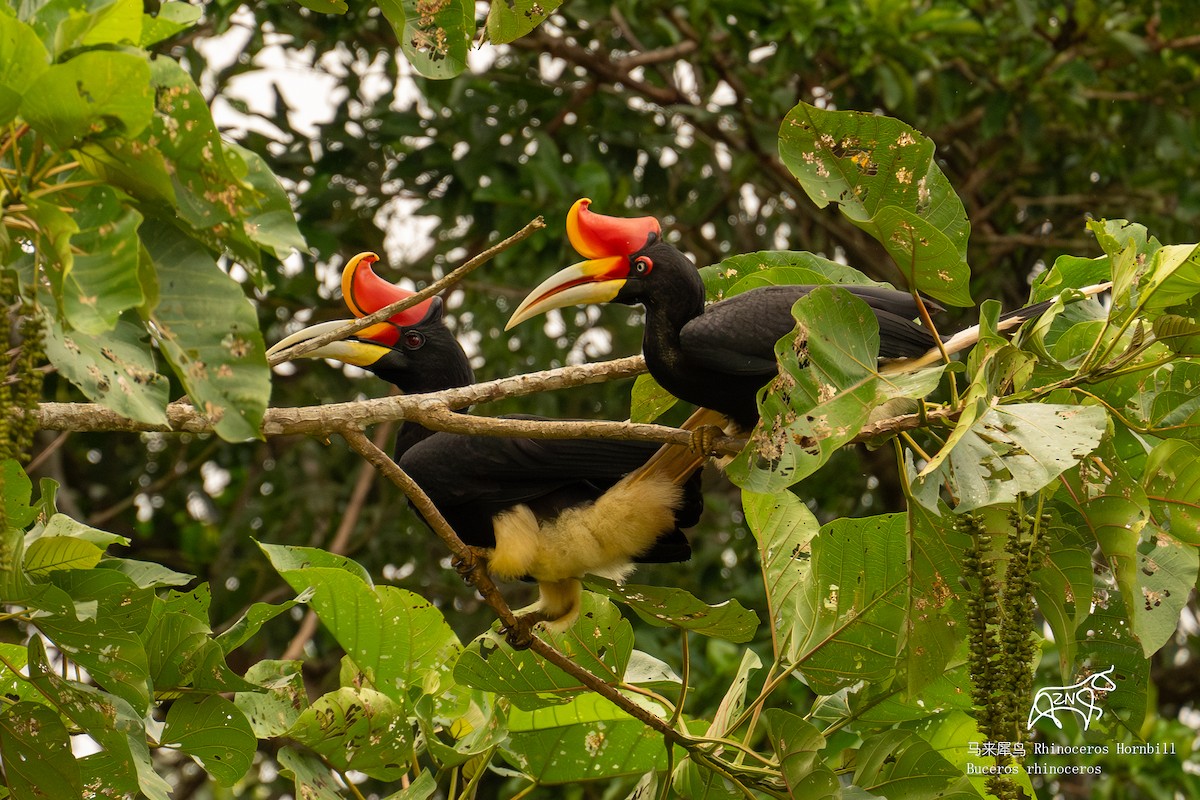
column 464, row 567
column 520, row 634
column 704, row 438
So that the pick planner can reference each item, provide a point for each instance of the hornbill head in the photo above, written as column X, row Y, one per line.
column 622, row 257
column 412, row 349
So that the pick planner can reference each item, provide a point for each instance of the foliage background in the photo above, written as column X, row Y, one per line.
column 1044, row 114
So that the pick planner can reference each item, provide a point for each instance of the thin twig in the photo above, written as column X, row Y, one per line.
column 437, row 287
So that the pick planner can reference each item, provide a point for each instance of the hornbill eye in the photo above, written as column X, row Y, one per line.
column 413, row 340
column 642, row 265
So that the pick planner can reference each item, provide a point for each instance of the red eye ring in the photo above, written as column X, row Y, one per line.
column 642, row 265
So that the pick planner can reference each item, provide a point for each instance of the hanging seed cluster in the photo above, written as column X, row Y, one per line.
column 21, row 387
column 1000, row 625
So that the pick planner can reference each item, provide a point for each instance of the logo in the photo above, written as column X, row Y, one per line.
column 1078, row 698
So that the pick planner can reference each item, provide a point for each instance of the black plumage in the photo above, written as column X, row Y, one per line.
column 549, row 510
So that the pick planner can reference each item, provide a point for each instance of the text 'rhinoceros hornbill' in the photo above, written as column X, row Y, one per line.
column 547, row 509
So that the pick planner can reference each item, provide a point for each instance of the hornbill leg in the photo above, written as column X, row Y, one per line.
column 557, row 610
column 465, row 566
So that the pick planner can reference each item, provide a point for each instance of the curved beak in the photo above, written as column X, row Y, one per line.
column 596, row 281
column 359, row 352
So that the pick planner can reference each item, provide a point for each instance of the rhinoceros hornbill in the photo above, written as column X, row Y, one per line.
column 717, row 356
column 549, row 510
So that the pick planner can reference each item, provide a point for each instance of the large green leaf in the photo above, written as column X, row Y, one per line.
column 208, row 331
column 798, row 744
column 313, row 779
column 1010, row 450
column 114, row 656
column 826, row 391
column 784, row 529
column 435, row 37
column 358, row 728
column 398, row 637
column 215, row 732
column 95, row 94
column 509, row 21
column 36, row 752
column 1165, row 401
column 1062, row 586
column 1105, row 640
column 855, row 607
column 50, row 553
column 1172, row 482
column 272, row 712
column 600, row 641
column 23, row 58
column 101, row 280
column 746, row 271
column 900, row 764
column 588, row 738
column 66, row 24
column 883, row 176
column 124, row 767
column 666, row 606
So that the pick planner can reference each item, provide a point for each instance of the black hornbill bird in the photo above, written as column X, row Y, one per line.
column 550, row 510
column 717, row 356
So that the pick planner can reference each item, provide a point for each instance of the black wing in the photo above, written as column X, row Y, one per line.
column 472, row 478
column 737, row 336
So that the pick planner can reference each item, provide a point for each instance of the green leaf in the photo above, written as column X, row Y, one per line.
column 827, row 388
column 64, row 25
column 17, row 490
column 95, row 94
column 208, row 331
column 250, row 622
column 400, row 638
column 101, row 280
column 900, row 765
column 1165, row 401
column 588, row 738
column 36, row 752
column 1062, row 586
column 649, row 401
column 734, row 702
column 668, row 607
column 883, row 176
column 117, row 600
column 600, row 641
column 1105, row 640
column 856, row 604
column 435, row 39
column 269, row 221
column 1010, row 450
column 798, row 744
column 23, row 58
column 313, row 780
column 784, row 529
column 213, row 731
column 273, row 712
column 423, row 788
column 50, row 553
column 124, row 767
column 747, row 271
column 1171, row 479
column 509, row 21
column 172, row 17
column 114, row 369
column 359, row 729
column 147, row 573
column 115, row 657
column 62, row 525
